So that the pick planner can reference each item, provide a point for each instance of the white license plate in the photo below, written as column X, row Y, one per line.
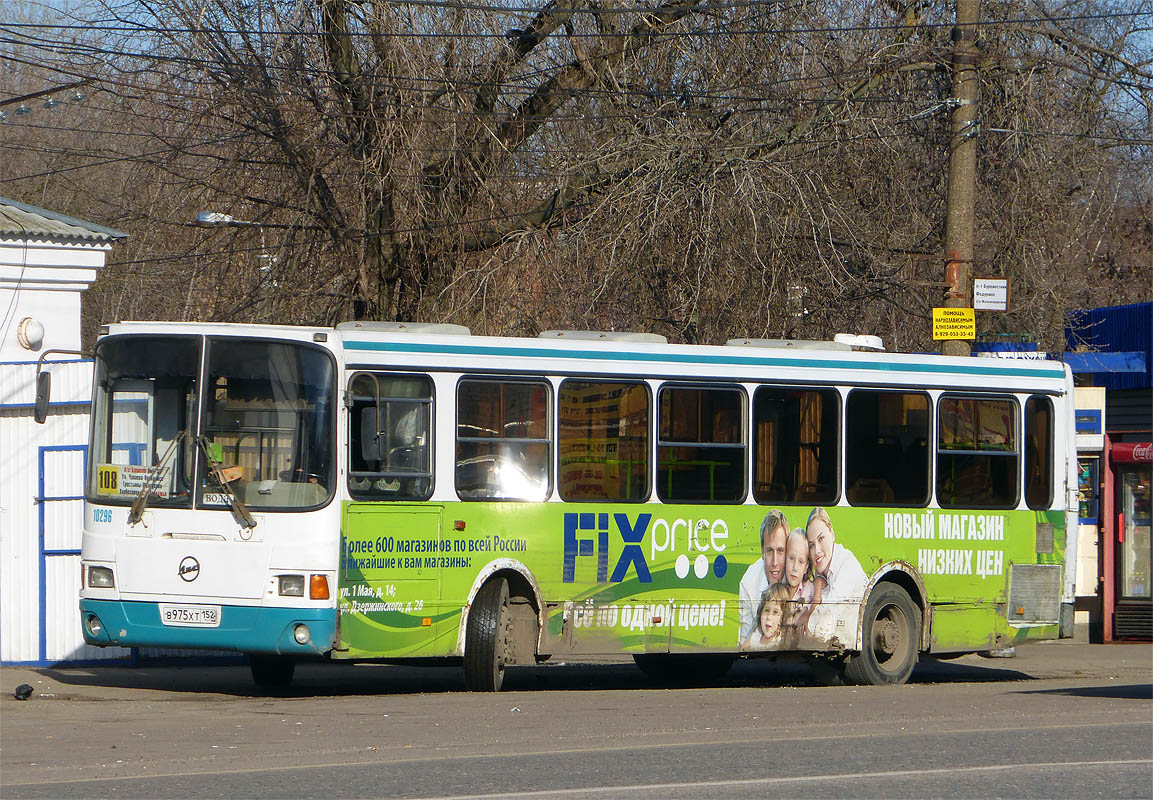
column 190, row 616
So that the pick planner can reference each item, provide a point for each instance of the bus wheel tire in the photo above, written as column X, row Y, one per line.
column 484, row 638
column 687, row 668
column 272, row 672
column 890, row 639
column 828, row 671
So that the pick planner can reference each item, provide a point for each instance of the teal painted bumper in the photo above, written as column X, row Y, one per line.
column 245, row 629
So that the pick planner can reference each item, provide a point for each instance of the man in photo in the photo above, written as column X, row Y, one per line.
column 764, row 573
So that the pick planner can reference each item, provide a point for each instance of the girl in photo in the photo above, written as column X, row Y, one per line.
column 769, row 633
column 806, row 587
column 799, row 568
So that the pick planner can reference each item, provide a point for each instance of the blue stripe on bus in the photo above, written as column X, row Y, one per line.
column 245, row 629
column 1054, row 371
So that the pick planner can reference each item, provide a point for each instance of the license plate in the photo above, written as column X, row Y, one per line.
column 190, row 616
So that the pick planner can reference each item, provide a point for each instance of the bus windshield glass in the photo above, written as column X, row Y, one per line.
column 261, row 421
column 268, row 424
column 146, row 388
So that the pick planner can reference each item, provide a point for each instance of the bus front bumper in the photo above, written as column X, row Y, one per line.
column 245, row 629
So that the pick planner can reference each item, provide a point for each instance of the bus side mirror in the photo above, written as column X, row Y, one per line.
column 43, row 396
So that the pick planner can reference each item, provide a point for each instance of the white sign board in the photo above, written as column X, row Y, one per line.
column 991, row 294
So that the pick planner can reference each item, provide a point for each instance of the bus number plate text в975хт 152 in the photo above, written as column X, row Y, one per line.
column 195, row 616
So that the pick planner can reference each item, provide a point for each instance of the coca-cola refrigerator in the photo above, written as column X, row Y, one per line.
column 1132, row 469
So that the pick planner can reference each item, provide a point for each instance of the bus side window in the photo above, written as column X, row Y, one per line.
column 886, row 459
column 701, row 445
column 977, row 453
column 604, row 441
column 1038, row 452
column 390, row 437
column 503, row 444
column 795, row 446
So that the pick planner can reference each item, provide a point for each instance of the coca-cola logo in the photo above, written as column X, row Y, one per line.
column 1133, row 452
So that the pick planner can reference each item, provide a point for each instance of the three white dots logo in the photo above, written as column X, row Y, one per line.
column 699, row 566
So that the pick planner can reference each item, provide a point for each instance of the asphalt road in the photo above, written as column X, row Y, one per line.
column 1059, row 720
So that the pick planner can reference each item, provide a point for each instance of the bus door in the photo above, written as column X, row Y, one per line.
column 390, row 581
column 391, row 538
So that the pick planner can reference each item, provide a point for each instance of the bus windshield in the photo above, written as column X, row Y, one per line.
column 259, row 419
column 268, row 421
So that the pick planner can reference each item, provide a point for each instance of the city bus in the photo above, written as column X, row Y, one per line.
column 412, row 492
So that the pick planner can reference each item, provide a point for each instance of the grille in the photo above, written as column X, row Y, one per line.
column 1044, row 537
column 1035, row 593
column 1134, row 620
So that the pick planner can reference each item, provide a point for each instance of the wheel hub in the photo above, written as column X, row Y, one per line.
column 888, row 636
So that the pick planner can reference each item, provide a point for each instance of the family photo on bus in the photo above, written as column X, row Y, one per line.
column 804, row 589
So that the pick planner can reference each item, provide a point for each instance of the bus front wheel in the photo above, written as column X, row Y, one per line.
column 272, row 672
column 890, row 639
column 485, row 638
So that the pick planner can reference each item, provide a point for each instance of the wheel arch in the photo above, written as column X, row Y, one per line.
column 904, row 575
column 521, row 583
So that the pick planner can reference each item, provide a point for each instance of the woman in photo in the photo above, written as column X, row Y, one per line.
column 844, row 579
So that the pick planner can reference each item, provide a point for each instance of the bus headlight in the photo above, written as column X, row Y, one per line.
column 101, row 578
column 93, row 625
column 301, row 634
column 291, row 585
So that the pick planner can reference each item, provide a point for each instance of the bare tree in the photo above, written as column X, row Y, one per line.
column 703, row 169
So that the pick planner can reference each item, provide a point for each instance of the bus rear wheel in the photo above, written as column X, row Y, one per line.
column 890, row 639
column 486, row 638
column 272, row 672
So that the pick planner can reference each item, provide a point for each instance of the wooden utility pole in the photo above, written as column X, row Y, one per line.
column 962, row 168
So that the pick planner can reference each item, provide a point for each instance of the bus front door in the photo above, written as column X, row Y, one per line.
column 390, row 582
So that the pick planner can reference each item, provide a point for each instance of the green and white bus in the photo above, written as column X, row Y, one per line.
column 390, row 491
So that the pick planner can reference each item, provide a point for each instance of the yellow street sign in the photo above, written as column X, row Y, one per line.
column 954, row 323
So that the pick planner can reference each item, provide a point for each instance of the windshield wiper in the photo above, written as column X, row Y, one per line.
column 152, row 481
column 217, row 469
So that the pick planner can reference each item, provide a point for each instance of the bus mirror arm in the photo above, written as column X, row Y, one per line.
column 44, row 383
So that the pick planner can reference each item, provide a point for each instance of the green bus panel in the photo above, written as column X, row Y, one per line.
column 634, row 578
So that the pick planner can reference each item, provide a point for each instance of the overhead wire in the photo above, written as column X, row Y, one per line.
column 510, row 89
column 352, row 34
